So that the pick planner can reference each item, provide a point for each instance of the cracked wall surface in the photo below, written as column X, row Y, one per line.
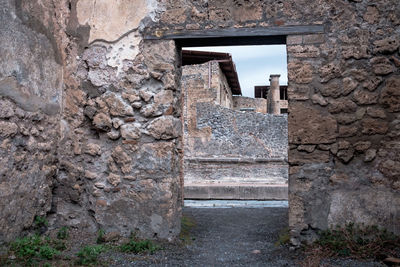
column 91, row 113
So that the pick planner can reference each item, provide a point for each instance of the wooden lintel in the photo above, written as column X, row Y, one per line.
column 235, row 32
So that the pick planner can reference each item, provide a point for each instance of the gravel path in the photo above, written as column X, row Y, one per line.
column 226, row 237
column 229, row 237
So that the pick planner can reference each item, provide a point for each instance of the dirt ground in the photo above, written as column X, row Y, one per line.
column 230, row 237
column 211, row 237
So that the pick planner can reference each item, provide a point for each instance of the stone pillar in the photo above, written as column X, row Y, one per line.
column 274, row 94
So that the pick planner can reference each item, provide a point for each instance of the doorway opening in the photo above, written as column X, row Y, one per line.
column 235, row 139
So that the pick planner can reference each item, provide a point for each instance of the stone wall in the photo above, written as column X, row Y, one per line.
column 30, row 108
column 117, row 164
column 235, row 147
column 258, row 104
column 343, row 102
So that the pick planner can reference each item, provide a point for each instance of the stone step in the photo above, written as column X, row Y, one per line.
column 239, row 191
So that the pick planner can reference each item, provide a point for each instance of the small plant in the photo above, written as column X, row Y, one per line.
column 32, row 248
column 47, row 252
column 40, row 222
column 134, row 246
column 354, row 241
column 284, row 237
column 100, row 236
column 62, row 233
column 187, row 224
column 88, row 254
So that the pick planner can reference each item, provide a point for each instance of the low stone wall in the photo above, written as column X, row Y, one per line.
column 235, row 134
column 235, row 150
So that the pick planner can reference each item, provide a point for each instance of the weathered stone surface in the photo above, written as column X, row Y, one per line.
column 299, row 158
column 303, row 51
column 363, row 97
column 114, row 179
column 371, row 15
column 382, row 66
column 300, row 73
column 348, row 130
column 93, row 149
column 390, row 94
column 374, row 126
column 390, row 169
column 342, row 105
column 387, row 45
column 117, row 106
column 346, row 118
column 8, row 129
column 362, row 146
column 6, row 109
column 345, row 155
column 356, row 52
column 298, row 92
column 372, row 83
column 120, row 156
column 109, row 22
column 318, row 99
column 348, row 85
column 332, row 89
column 165, row 127
column 306, row 148
column 309, row 126
column 329, row 71
column 102, row 121
column 43, row 65
column 370, row 155
column 375, row 112
column 131, row 131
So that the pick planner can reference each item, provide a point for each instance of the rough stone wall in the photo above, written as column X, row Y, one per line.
column 31, row 74
column 247, row 147
column 119, row 153
column 258, row 104
column 343, row 102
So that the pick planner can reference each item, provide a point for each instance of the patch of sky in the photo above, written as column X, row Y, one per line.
column 255, row 64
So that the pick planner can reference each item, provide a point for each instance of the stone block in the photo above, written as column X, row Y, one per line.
column 309, row 126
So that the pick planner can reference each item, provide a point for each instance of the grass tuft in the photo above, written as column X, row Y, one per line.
column 89, row 254
column 353, row 241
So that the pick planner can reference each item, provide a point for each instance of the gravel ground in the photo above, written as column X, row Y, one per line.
column 230, row 237
column 220, row 237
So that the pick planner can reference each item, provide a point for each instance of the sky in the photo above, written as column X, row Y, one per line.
column 255, row 63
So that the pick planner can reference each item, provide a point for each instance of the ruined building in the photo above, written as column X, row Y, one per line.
column 228, row 153
column 275, row 94
column 91, row 117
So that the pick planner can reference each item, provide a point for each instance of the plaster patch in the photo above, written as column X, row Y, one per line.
column 126, row 49
column 156, row 222
column 109, row 20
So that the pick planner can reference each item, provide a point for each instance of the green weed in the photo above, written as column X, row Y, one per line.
column 88, row 254
column 137, row 246
column 284, row 237
column 32, row 248
column 187, row 224
column 354, row 241
column 62, row 233
column 100, row 236
column 40, row 222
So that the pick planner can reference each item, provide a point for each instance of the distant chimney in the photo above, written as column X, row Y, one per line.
column 274, row 95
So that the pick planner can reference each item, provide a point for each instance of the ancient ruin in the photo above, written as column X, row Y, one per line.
column 231, row 151
column 91, row 117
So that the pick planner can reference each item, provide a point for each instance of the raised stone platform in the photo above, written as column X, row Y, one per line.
column 239, row 191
